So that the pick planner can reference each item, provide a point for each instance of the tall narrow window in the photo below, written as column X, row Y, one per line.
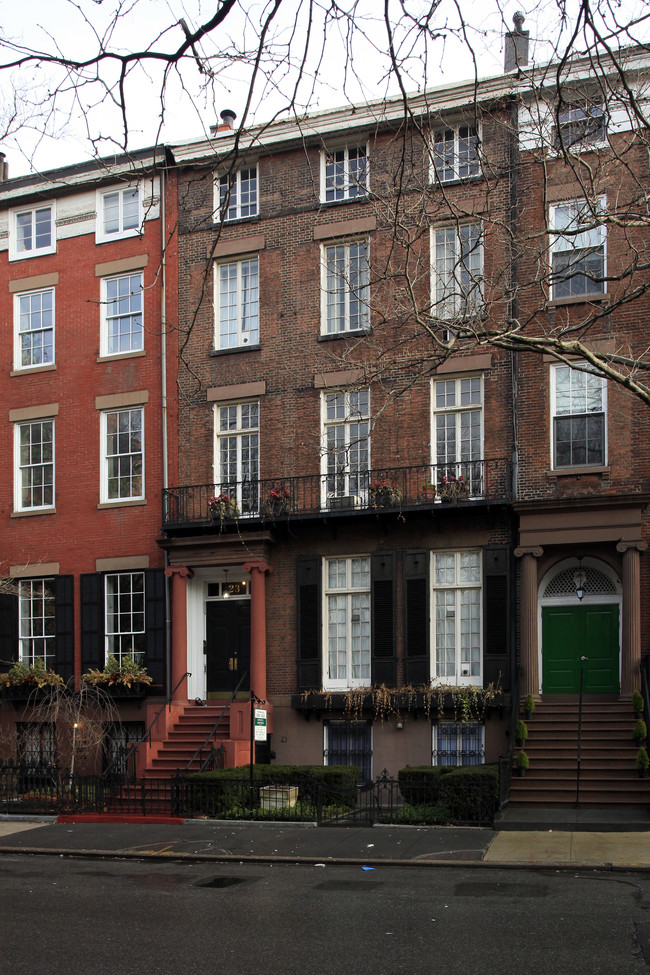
column 237, row 454
column 346, row 458
column 34, row 329
column 122, row 455
column 237, row 289
column 347, row 622
column 457, row 617
column 346, row 283
column 457, row 271
column 579, row 402
column 458, row 432
column 122, row 314
column 34, row 465
column 238, row 194
column 344, row 174
column 37, row 635
column 455, row 153
column 577, row 242
column 125, row 621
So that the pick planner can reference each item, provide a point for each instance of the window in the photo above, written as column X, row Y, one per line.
column 34, row 329
column 457, row 617
column 577, row 249
column 238, row 194
column 237, row 288
column 458, row 431
column 119, row 740
column 36, row 623
column 34, row 465
column 458, row 743
column 119, row 213
column 122, row 455
column 35, row 745
column 349, row 743
column 237, row 453
column 457, row 271
column 345, row 287
column 579, row 402
column 122, row 329
column 455, row 153
column 32, row 232
column 344, row 173
column 579, row 124
column 124, row 622
column 346, row 458
column 347, row 622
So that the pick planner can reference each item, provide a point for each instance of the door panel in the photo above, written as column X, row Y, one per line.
column 571, row 632
column 227, row 646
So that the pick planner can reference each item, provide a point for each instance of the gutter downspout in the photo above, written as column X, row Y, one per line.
column 163, row 395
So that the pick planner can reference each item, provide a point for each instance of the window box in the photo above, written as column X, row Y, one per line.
column 452, row 490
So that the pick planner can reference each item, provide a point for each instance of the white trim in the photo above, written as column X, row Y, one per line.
column 18, row 366
column 103, row 489
column 555, row 237
column 18, row 505
column 220, row 213
column 14, row 253
column 104, row 318
column 459, row 679
column 344, row 145
column 363, row 294
column 348, row 682
column 552, row 384
column 101, row 235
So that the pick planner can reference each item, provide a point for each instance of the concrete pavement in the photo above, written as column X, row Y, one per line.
column 207, row 840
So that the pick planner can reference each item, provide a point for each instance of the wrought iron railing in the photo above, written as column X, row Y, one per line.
column 233, row 503
column 506, row 761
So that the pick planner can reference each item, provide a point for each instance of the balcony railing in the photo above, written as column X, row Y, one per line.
column 234, row 503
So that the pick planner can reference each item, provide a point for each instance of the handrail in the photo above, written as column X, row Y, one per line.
column 506, row 761
column 214, row 730
column 147, row 734
column 645, row 687
column 583, row 661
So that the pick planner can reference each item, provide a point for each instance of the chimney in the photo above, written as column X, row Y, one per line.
column 516, row 49
column 227, row 123
column 4, row 167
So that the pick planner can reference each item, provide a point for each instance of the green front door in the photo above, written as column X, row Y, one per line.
column 572, row 632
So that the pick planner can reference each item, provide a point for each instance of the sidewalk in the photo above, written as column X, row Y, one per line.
column 207, row 840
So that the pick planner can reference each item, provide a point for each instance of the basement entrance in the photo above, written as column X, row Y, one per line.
column 227, row 647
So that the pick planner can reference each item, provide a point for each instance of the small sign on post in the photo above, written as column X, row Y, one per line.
column 260, row 724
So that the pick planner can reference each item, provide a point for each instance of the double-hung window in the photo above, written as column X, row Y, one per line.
column 457, row 617
column 455, row 153
column 579, row 403
column 36, row 622
column 347, row 622
column 458, row 743
column 577, row 242
column 119, row 213
column 237, row 303
column 457, row 271
column 344, row 173
column 34, row 448
column 31, row 232
column 238, row 194
column 122, row 437
column 237, row 454
column 346, row 287
column 458, row 432
column 124, row 626
column 346, row 447
column 34, row 329
column 580, row 125
column 122, row 325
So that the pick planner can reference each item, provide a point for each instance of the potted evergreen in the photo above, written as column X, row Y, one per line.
column 640, row 732
column 521, row 733
column 521, row 763
column 637, row 703
column 529, row 706
column 642, row 762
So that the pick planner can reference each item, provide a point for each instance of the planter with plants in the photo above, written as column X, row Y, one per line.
column 642, row 762
column 453, row 489
column 120, row 678
column 222, row 507
column 521, row 763
column 428, row 492
column 23, row 682
column 279, row 501
column 529, row 706
column 637, row 703
column 640, row 732
column 384, row 493
column 521, row 733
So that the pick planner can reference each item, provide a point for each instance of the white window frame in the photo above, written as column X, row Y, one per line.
column 459, row 159
column 29, row 471
column 237, row 305
column 240, row 439
column 107, row 468
column 576, row 378
column 122, row 587
column 21, row 254
column 460, row 730
column 462, row 675
column 133, row 296
column 345, row 286
column 32, row 315
column 584, row 115
column 236, row 208
column 348, row 599
column 457, row 271
column 459, row 397
column 102, row 235
column 349, row 479
column 593, row 238
column 36, row 622
column 342, row 185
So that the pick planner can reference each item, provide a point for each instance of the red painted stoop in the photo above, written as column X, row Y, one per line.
column 190, row 730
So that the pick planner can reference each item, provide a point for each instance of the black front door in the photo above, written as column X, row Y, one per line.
column 227, row 646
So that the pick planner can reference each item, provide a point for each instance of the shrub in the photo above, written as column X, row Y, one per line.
column 529, row 703
column 421, row 783
column 642, row 759
column 521, row 731
column 640, row 730
column 637, row 702
column 471, row 794
column 522, row 760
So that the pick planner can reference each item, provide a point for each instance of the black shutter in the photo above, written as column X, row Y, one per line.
column 416, row 580
column 309, row 624
column 8, row 626
column 92, row 621
column 154, row 614
column 384, row 670
column 496, row 616
column 63, row 592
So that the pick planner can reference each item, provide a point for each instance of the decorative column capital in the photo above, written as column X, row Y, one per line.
column 259, row 566
column 535, row 550
column 640, row 546
column 179, row 570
